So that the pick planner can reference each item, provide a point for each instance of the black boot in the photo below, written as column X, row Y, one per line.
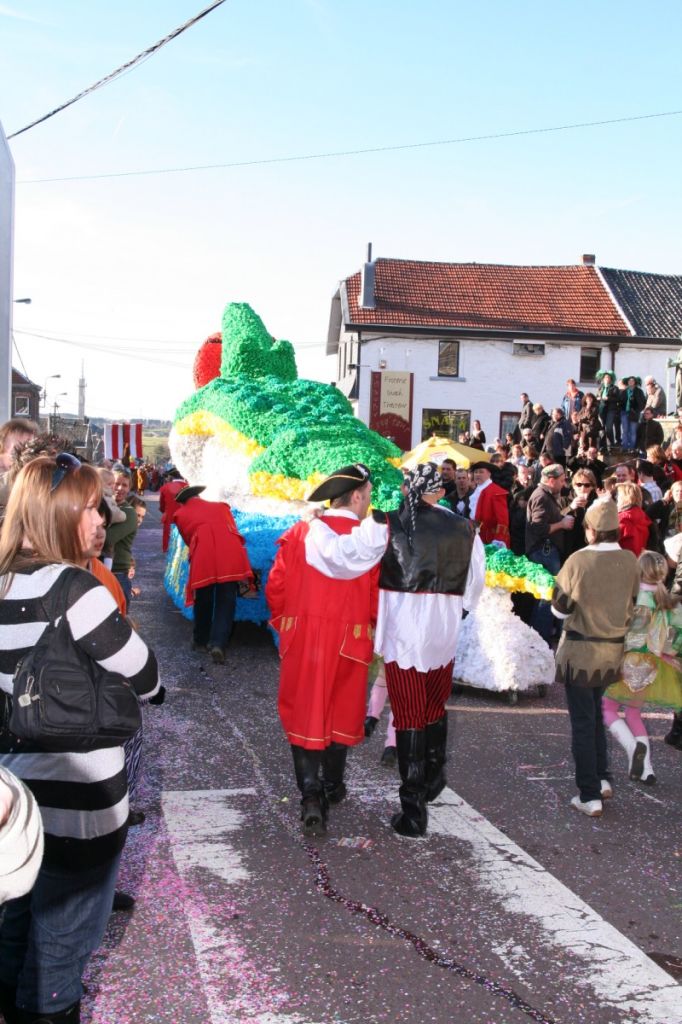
column 411, row 821
column 72, row 1015
column 436, row 743
column 8, row 998
column 307, row 765
column 333, row 767
column 674, row 737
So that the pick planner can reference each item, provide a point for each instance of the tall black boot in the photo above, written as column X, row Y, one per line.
column 435, row 755
column 72, row 1015
column 8, row 998
column 674, row 737
column 411, row 820
column 307, row 765
column 333, row 768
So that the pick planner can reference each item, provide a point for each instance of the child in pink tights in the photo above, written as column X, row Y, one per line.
column 652, row 669
column 377, row 699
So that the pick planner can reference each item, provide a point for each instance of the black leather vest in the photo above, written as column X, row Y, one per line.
column 439, row 561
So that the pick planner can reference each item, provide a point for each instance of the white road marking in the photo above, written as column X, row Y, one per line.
column 201, row 825
column 621, row 975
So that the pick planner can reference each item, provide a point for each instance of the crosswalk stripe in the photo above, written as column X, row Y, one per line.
column 621, row 975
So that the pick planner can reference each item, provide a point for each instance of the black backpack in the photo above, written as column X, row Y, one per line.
column 62, row 699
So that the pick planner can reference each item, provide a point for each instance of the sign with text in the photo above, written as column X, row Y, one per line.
column 391, row 406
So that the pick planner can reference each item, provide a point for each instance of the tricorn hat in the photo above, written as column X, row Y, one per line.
column 341, row 481
column 482, row 464
column 189, row 492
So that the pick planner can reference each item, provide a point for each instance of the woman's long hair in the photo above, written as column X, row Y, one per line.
column 41, row 524
column 654, row 570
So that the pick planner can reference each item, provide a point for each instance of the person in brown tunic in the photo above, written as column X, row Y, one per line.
column 594, row 594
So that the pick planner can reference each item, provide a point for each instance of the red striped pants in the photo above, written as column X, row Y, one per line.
column 417, row 698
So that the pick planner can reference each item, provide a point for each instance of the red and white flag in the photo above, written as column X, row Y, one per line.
column 122, row 439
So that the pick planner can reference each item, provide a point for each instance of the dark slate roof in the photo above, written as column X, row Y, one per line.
column 651, row 302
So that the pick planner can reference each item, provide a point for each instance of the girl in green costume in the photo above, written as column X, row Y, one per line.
column 652, row 666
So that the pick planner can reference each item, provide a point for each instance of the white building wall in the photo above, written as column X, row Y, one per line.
column 492, row 377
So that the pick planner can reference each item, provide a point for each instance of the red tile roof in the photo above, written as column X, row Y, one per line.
column 479, row 296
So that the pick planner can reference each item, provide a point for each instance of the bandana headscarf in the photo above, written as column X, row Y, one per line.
column 421, row 480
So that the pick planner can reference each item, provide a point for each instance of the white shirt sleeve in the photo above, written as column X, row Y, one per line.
column 476, row 576
column 345, row 556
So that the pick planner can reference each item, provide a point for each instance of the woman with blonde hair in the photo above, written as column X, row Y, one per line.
column 47, row 936
column 633, row 521
column 652, row 666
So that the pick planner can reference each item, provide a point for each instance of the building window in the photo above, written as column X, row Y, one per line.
column 22, row 405
column 445, row 422
column 590, row 359
column 509, row 421
column 448, row 359
column 528, row 348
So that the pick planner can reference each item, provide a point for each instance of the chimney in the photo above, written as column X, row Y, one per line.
column 589, row 259
column 366, row 298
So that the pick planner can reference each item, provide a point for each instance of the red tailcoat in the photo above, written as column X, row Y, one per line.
column 168, row 507
column 492, row 512
column 325, row 629
column 216, row 550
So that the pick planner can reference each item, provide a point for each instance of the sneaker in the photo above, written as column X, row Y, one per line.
column 370, row 725
column 606, row 789
column 592, row 808
column 218, row 655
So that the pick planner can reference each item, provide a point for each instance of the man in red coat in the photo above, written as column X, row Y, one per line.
column 325, row 629
column 488, row 505
column 168, row 506
column 217, row 561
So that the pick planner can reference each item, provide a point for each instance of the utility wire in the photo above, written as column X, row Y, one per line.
column 128, row 66
column 108, row 350
column 356, row 152
column 181, row 347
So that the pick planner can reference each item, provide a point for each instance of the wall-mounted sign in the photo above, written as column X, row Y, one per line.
column 391, row 406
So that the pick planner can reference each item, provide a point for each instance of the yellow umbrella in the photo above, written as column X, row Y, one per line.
column 435, row 449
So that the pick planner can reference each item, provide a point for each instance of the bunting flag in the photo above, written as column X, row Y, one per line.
column 121, row 439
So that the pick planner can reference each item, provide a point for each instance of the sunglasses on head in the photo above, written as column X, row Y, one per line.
column 65, row 464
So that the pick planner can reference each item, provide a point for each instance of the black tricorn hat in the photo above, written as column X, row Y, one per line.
column 189, row 492
column 482, row 464
column 341, row 481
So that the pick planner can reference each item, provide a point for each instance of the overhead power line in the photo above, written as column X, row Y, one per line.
column 356, row 152
column 124, row 68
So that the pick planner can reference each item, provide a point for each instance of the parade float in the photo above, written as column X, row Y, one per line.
column 261, row 438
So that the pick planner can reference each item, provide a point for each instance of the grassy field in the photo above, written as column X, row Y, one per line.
column 155, row 448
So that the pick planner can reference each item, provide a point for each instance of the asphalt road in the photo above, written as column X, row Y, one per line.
column 514, row 908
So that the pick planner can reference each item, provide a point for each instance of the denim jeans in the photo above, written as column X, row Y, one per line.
column 541, row 619
column 588, row 739
column 612, row 427
column 214, row 614
column 126, row 587
column 48, row 936
column 628, row 430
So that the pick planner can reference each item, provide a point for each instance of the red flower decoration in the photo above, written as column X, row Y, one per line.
column 207, row 360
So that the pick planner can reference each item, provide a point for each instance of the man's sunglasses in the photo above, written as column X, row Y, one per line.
column 65, row 464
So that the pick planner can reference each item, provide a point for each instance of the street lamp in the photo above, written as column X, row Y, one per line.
column 53, row 428
column 51, row 377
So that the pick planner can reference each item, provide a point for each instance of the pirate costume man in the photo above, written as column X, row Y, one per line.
column 432, row 568
column 325, row 629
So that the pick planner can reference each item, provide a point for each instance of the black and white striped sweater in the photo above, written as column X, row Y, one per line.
column 83, row 797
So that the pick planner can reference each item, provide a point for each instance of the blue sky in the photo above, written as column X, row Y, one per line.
column 108, row 262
